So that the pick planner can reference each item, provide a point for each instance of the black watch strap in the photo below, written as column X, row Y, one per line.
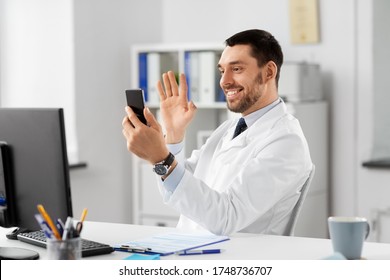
column 169, row 160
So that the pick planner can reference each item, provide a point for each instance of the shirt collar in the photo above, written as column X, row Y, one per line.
column 254, row 116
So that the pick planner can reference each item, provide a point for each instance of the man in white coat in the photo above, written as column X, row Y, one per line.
column 248, row 182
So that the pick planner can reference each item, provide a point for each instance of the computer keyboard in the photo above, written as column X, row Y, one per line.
column 88, row 247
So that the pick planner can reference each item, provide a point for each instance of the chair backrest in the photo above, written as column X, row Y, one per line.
column 289, row 231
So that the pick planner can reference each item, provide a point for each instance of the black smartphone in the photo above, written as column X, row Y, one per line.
column 135, row 100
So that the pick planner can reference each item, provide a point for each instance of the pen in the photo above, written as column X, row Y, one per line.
column 132, row 248
column 43, row 225
column 67, row 228
column 60, row 226
column 199, row 252
column 49, row 221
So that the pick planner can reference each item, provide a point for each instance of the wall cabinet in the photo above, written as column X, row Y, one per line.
column 148, row 207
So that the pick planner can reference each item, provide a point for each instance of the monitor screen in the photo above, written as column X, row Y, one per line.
column 37, row 154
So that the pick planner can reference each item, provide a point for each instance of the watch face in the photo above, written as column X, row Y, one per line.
column 160, row 169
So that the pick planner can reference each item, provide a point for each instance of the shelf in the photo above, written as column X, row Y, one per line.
column 215, row 105
column 77, row 165
column 178, row 47
column 378, row 163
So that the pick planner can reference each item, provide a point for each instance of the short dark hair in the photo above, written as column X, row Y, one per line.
column 264, row 47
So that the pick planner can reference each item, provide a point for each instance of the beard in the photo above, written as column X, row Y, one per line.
column 250, row 98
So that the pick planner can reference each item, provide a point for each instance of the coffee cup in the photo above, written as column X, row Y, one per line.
column 348, row 235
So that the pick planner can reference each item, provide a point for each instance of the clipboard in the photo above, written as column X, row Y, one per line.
column 170, row 243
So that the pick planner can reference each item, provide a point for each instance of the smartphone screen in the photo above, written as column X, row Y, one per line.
column 135, row 100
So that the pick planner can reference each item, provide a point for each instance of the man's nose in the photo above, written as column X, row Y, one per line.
column 225, row 80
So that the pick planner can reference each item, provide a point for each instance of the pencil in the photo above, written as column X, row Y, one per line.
column 79, row 225
column 49, row 221
column 83, row 215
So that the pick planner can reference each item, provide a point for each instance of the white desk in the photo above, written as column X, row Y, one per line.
column 240, row 246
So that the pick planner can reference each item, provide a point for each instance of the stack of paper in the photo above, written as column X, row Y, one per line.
column 170, row 243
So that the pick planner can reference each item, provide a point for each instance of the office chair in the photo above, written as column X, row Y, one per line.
column 289, row 231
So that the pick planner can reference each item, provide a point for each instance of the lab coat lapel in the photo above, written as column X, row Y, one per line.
column 227, row 142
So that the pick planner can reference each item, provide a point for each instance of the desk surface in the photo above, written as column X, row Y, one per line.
column 240, row 246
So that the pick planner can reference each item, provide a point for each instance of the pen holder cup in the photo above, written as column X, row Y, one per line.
column 69, row 249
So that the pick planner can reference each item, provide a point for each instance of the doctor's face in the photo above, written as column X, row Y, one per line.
column 241, row 79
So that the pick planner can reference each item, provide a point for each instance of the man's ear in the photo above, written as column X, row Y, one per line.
column 270, row 71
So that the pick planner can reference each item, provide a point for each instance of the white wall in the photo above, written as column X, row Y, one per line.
column 36, row 54
column 381, row 47
column 373, row 185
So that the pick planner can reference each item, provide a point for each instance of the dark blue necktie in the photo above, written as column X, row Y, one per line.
column 241, row 126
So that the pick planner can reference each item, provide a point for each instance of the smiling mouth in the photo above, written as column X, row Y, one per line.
column 232, row 92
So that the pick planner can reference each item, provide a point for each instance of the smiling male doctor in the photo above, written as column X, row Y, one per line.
column 243, row 179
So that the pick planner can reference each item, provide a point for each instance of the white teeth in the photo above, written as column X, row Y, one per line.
column 230, row 93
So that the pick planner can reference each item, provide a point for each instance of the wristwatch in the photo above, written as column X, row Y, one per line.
column 162, row 168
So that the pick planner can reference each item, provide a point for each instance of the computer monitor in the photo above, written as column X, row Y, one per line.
column 37, row 157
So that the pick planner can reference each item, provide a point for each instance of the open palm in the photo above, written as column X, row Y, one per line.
column 177, row 112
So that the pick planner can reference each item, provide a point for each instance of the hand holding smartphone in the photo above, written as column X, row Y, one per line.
column 135, row 100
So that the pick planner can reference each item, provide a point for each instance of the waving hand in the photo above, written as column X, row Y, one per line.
column 177, row 112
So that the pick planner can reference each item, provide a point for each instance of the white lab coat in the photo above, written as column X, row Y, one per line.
column 249, row 183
